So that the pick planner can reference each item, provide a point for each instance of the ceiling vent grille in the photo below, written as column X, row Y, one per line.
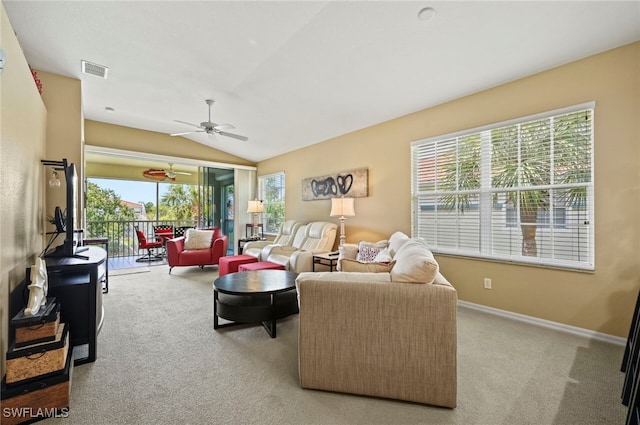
column 94, row 69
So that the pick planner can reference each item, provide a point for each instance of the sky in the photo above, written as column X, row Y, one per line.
column 132, row 191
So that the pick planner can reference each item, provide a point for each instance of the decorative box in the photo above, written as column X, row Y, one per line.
column 44, row 397
column 38, row 359
column 41, row 327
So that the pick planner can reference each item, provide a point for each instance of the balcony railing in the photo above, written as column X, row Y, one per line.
column 123, row 241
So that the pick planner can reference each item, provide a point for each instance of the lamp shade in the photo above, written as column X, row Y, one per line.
column 255, row 206
column 342, row 207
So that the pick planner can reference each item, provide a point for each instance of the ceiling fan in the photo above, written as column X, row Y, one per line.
column 211, row 127
column 162, row 174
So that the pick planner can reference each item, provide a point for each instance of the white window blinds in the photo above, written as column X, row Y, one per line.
column 518, row 191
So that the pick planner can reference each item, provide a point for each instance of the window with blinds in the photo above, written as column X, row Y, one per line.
column 518, row 191
column 271, row 190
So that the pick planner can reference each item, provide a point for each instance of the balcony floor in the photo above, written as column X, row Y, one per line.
column 116, row 263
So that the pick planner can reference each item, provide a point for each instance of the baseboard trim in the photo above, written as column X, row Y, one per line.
column 546, row 323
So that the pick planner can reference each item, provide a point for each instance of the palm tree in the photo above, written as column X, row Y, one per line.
column 537, row 154
column 180, row 202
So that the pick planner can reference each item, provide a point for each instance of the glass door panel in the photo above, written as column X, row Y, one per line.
column 216, row 200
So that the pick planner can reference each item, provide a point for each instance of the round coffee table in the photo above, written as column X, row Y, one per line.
column 259, row 296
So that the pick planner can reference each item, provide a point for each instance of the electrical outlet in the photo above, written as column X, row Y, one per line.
column 487, row 283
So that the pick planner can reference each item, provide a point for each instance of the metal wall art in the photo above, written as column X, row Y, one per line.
column 350, row 184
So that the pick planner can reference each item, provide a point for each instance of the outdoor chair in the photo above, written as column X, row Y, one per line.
column 163, row 232
column 155, row 245
column 181, row 230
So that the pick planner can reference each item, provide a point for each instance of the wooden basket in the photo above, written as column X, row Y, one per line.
column 38, row 360
column 43, row 397
column 43, row 327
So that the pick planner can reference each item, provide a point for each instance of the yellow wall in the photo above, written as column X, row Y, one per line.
column 22, row 146
column 131, row 139
column 62, row 97
column 602, row 301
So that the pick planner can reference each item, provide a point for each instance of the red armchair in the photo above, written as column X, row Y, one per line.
column 177, row 255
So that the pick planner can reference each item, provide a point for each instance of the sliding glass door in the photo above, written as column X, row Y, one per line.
column 228, row 218
column 207, row 216
column 216, row 200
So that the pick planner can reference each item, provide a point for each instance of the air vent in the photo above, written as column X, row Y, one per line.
column 94, row 69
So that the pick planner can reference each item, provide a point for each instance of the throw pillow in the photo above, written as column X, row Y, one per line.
column 396, row 241
column 356, row 266
column 383, row 256
column 414, row 263
column 367, row 251
column 198, row 239
column 348, row 250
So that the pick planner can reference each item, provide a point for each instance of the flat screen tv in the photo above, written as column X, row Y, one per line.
column 68, row 224
column 72, row 238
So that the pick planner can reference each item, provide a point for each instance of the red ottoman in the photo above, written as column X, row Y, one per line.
column 230, row 264
column 262, row 265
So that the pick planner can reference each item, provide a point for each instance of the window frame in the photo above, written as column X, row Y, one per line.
column 267, row 216
column 426, row 179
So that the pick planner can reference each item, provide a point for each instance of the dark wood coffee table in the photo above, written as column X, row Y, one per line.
column 260, row 296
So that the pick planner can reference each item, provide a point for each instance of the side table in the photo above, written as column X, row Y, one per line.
column 329, row 259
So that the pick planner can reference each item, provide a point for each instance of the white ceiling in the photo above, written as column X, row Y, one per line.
column 289, row 74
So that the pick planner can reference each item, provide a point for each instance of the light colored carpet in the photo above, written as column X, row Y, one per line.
column 161, row 362
column 131, row 270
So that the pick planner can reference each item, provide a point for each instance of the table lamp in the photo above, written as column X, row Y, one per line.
column 255, row 207
column 342, row 207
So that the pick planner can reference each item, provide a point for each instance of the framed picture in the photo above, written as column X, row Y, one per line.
column 351, row 184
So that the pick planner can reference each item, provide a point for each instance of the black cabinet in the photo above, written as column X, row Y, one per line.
column 77, row 285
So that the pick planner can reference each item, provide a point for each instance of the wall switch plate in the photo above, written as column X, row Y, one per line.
column 487, row 283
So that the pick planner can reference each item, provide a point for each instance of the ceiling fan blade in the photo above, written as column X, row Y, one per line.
column 187, row 132
column 171, row 173
column 224, row 127
column 235, row 136
column 188, row 123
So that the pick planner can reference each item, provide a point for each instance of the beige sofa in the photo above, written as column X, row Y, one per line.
column 387, row 334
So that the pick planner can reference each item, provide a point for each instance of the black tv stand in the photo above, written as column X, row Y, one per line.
column 77, row 285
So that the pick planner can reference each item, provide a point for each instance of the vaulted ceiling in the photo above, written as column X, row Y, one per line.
column 288, row 74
